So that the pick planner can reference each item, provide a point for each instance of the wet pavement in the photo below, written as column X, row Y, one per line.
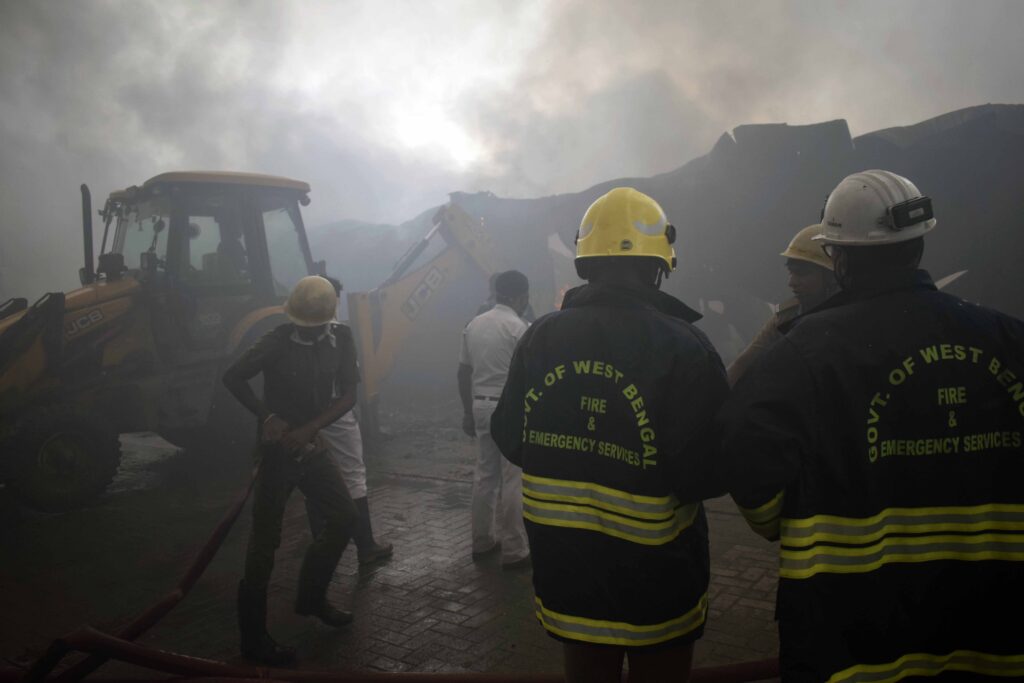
column 431, row 608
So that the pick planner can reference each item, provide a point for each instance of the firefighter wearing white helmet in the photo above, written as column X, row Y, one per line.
column 881, row 440
column 875, row 207
column 870, row 210
column 608, row 408
column 309, row 382
column 812, row 282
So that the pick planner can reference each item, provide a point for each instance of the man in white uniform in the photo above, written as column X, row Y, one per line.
column 487, row 345
column 344, row 442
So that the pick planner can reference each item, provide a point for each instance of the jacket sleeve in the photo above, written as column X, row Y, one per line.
column 509, row 417
column 769, row 426
column 256, row 358
column 699, row 389
column 765, row 337
column 251, row 363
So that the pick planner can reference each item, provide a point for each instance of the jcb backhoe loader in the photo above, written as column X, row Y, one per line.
column 197, row 268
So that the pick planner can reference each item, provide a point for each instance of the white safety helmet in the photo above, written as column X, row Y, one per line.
column 875, row 207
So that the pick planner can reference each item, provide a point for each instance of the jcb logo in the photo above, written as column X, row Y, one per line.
column 76, row 325
column 421, row 295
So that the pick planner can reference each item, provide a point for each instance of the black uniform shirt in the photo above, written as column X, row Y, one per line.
column 300, row 378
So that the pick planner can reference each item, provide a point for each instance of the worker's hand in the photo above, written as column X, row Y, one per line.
column 273, row 429
column 469, row 424
column 296, row 439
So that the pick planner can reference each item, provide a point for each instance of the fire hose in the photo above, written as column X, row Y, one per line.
column 51, row 658
column 105, row 646
column 102, row 647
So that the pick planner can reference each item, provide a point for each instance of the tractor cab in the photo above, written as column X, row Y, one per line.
column 214, row 246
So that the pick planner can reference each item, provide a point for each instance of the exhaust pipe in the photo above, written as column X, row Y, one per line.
column 87, row 274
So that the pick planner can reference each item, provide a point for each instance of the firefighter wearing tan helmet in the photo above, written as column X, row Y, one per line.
column 811, row 280
column 881, row 441
column 309, row 382
column 608, row 408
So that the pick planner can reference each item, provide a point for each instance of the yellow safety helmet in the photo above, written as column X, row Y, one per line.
column 312, row 302
column 803, row 247
column 626, row 222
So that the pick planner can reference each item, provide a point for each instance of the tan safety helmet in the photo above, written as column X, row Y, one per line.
column 875, row 207
column 803, row 247
column 626, row 222
column 312, row 302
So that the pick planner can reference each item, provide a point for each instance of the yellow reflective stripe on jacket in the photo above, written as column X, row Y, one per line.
column 829, row 543
column 852, row 530
column 620, row 632
column 649, row 520
column 587, row 493
column 608, row 523
column 764, row 520
column 925, row 664
column 802, row 564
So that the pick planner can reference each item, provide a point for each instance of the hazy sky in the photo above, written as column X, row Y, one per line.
column 384, row 107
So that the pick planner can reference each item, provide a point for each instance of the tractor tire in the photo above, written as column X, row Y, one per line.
column 64, row 457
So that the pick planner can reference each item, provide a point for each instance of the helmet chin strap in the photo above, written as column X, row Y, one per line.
column 841, row 262
column 662, row 272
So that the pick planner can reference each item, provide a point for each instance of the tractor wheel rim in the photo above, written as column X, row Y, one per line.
column 63, row 457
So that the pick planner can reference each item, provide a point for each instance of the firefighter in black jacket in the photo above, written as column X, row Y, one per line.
column 607, row 409
column 881, row 441
column 309, row 380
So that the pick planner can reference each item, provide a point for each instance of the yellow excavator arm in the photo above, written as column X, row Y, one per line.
column 383, row 318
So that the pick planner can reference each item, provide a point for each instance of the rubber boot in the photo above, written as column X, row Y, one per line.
column 256, row 644
column 368, row 550
column 312, row 596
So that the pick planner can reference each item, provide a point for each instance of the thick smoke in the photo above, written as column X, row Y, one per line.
column 386, row 107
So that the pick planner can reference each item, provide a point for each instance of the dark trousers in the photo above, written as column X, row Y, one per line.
column 318, row 478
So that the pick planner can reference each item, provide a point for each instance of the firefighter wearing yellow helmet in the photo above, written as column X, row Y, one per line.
column 626, row 222
column 812, row 282
column 608, row 408
column 881, row 442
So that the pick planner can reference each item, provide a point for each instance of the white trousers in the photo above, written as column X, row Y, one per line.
column 497, row 504
column 345, row 444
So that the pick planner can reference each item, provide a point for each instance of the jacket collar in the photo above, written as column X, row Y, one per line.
column 504, row 308
column 900, row 279
column 884, row 283
column 880, row 284
column 601, row 294
column 327, row 334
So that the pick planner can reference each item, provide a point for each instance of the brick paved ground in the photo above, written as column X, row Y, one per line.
column 430, row 609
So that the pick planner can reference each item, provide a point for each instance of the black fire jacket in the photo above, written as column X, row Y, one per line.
column 881, row 441
column 608, row 409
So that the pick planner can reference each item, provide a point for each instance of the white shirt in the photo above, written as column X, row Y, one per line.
column 487, row 345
